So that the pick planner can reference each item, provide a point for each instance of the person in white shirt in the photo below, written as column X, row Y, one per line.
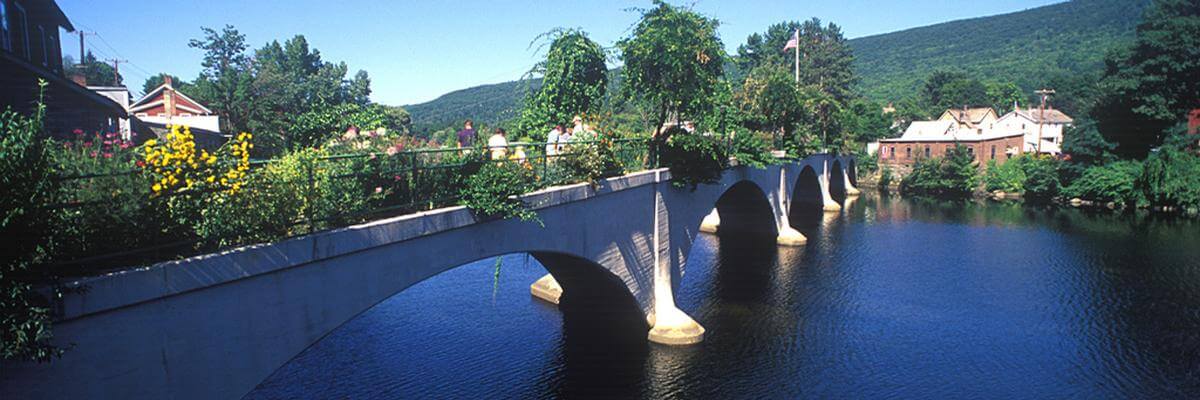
column 552, row 141
column 498, row 145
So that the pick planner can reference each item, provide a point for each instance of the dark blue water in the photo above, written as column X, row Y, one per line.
column 893, row 298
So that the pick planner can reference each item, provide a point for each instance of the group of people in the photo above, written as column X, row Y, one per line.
column 557, row 140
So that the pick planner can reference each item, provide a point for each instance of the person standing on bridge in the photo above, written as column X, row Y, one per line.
column 466, row 137
column 498, row 144
column 552, row 141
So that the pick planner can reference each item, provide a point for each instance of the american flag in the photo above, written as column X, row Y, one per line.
column 794, row 42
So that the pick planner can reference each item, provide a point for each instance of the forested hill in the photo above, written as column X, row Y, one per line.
column 1023, row 47
column 487, row 103
column 1028, row 48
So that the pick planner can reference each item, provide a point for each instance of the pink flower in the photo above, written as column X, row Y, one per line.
column 87, row 144
column 391, row 151
column 124, row 145
column 78, row 132
column 107, row 155
column 94, row 153
column 372, row 156
column 67, row 145
column 396, row 178
column 378, row 190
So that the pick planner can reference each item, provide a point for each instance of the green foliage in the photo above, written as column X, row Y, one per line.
column 592, row 161
column 1027, row 47
column 1041, row 179
column 574, row 81
column 155, row 81
column 1086, row 148
column 97, row 73
column 1008, row 177
column 673, row 63
column 1115, row 182
column 1171, row 177
column 954, row 175
column 752, row 150
column 694, row 159
column 27, row 176
column 1155, row 82
column 826, row 61
column 494, row 191
column 326, row 122
column 863, row 121
column 771, row 101
column 886, row 177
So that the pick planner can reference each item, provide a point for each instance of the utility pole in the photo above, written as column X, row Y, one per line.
column 117, row 69
column 81, row 50
column 1045, row 94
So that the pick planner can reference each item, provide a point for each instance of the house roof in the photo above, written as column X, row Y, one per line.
column 970, row 115
column 947, row 131
column 50, row 9
column 153, row 99
column 1051, row 116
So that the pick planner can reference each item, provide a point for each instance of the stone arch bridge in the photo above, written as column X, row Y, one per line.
column 215, row 326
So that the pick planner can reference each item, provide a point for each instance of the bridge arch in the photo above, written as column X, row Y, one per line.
column 837, row 181
column 744, row 208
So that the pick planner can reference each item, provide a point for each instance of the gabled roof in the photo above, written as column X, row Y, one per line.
column 970, row 115
column 948, row 131
column 151, row 99
column 1051, row 116
column 927, row 130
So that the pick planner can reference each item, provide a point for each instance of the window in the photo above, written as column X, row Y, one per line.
column 45, row 43
column 143, row 115
column 893, row 155
column 928, row 151
column 4, row 41
column 909, row 155
column 20, row 31
column 971, row 152
column 993, row 152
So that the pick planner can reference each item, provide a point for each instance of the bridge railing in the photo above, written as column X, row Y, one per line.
column 113, row 220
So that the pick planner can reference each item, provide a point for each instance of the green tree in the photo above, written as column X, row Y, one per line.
column 673, row 64
column 863, row 121
column 155, row 81
column 952, row 89
column 826, row 58
column 771, row 101
column 96, row 72
column 574, row 82
column 1002, row 95
column 225, row 83
column 1151, row 85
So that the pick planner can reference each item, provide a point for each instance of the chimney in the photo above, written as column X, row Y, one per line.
column 169, row 100
column 167, row 81
column 79, row 79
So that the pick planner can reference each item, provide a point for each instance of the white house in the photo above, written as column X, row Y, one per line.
column 1030, row 122
column 166, row 106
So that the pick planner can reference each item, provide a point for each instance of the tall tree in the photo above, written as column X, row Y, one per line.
column 673, row 63
column 574, row 82
column 1154, row 83
column 826, row 60
column 225, row 81
column 771, row 100
column 952, row 89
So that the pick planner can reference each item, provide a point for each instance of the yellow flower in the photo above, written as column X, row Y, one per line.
column 157, row 188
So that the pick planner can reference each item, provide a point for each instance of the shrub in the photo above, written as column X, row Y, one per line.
column 27, row 176
column 885, row 178
column 1041, row 179
column 694, row 159
column 751, row 150
column 954, row 175
column 495, row 191
column 1113, row 182
column 1171, row 177
column 593, row 160
column 1007, row 177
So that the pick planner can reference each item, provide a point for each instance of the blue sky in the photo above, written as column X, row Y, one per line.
column 418, row 50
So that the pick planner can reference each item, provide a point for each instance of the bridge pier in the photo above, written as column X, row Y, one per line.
column 711, row 222
column 547, row 289
column 827, row 202
column 850, row 189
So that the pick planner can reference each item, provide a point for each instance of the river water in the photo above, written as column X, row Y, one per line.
column 893, row 298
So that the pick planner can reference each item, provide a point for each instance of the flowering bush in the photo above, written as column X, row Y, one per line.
column 176, row 166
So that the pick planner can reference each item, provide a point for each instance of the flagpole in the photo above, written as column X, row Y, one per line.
column 797, row 36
